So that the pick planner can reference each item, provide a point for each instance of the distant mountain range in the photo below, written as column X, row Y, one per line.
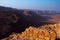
column 14, row 20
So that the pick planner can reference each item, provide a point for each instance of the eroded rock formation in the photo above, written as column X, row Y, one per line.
column 46, row 32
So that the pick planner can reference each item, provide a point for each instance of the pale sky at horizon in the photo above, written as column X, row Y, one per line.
column 32, row 4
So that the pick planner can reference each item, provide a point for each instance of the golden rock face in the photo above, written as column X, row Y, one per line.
column 54, row 27
column 46, row 32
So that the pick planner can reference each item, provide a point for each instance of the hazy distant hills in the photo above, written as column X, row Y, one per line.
column 24, row 14
column 14, row 20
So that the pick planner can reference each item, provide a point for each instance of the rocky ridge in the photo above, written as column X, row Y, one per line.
column 45, row 32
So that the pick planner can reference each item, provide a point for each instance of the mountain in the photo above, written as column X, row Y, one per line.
column 14, row 20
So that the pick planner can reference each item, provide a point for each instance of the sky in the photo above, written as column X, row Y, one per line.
column 32, row 4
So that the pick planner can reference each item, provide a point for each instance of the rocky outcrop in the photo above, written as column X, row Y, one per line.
column 46, row 32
